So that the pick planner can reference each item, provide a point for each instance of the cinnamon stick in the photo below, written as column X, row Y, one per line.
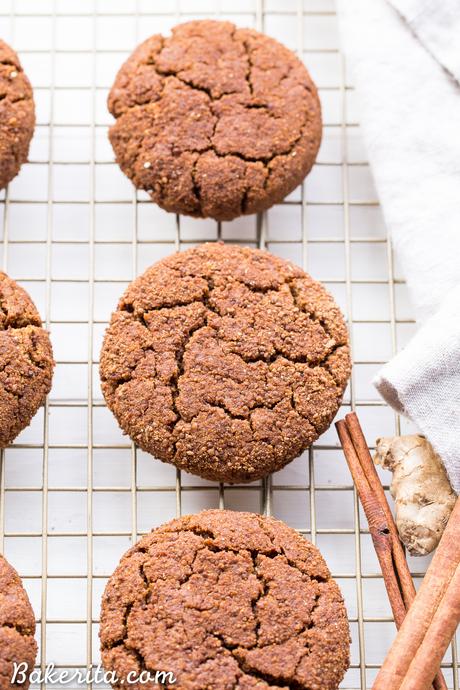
column 390, row 552
column 427, row 613
column 399, row 556
column 378, row 523
column 442, row 629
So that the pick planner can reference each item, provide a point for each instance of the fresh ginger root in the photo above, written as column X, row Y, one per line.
column 423, row 495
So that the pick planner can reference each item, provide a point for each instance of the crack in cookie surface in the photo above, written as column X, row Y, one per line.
column 226, row 361
column 226, row 598
column 215, row 121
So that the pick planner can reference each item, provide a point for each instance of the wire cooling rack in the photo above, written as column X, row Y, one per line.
column 74, row 493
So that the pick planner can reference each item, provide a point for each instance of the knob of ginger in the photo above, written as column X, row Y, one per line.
column 423, row 496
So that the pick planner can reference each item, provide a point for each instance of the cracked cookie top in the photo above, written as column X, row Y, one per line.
column 17, row 115
column 215, row 121
column 228, row 601
column 17, row 627
column 226, row 361
column 26, row 360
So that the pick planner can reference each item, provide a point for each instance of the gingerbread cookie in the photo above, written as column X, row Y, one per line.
column 226, row 600
column 17, row 627
column 17, row 114
column 26, row 360
column 215, row 121
column 225, row 361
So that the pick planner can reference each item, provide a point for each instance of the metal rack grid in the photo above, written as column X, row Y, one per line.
column 73, row 492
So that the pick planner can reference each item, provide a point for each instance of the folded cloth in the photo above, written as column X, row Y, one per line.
column 436, row 24
column 423, row 382
column 405, row 61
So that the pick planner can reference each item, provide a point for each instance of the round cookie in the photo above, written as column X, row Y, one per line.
column 17, row 627
column 215, row 121
column 17, row 114
column 225, row 361
column 226, row 600
column 26, row 360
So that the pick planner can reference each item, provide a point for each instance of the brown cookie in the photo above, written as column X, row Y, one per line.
column 225, row 361
column 17, row 115
column 17, row 627
column 226, row 600
column 215, row 120
column 26, row 360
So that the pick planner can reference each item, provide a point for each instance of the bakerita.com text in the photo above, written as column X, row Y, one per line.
column 96, row 674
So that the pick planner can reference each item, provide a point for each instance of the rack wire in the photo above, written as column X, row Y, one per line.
column 74, row 493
